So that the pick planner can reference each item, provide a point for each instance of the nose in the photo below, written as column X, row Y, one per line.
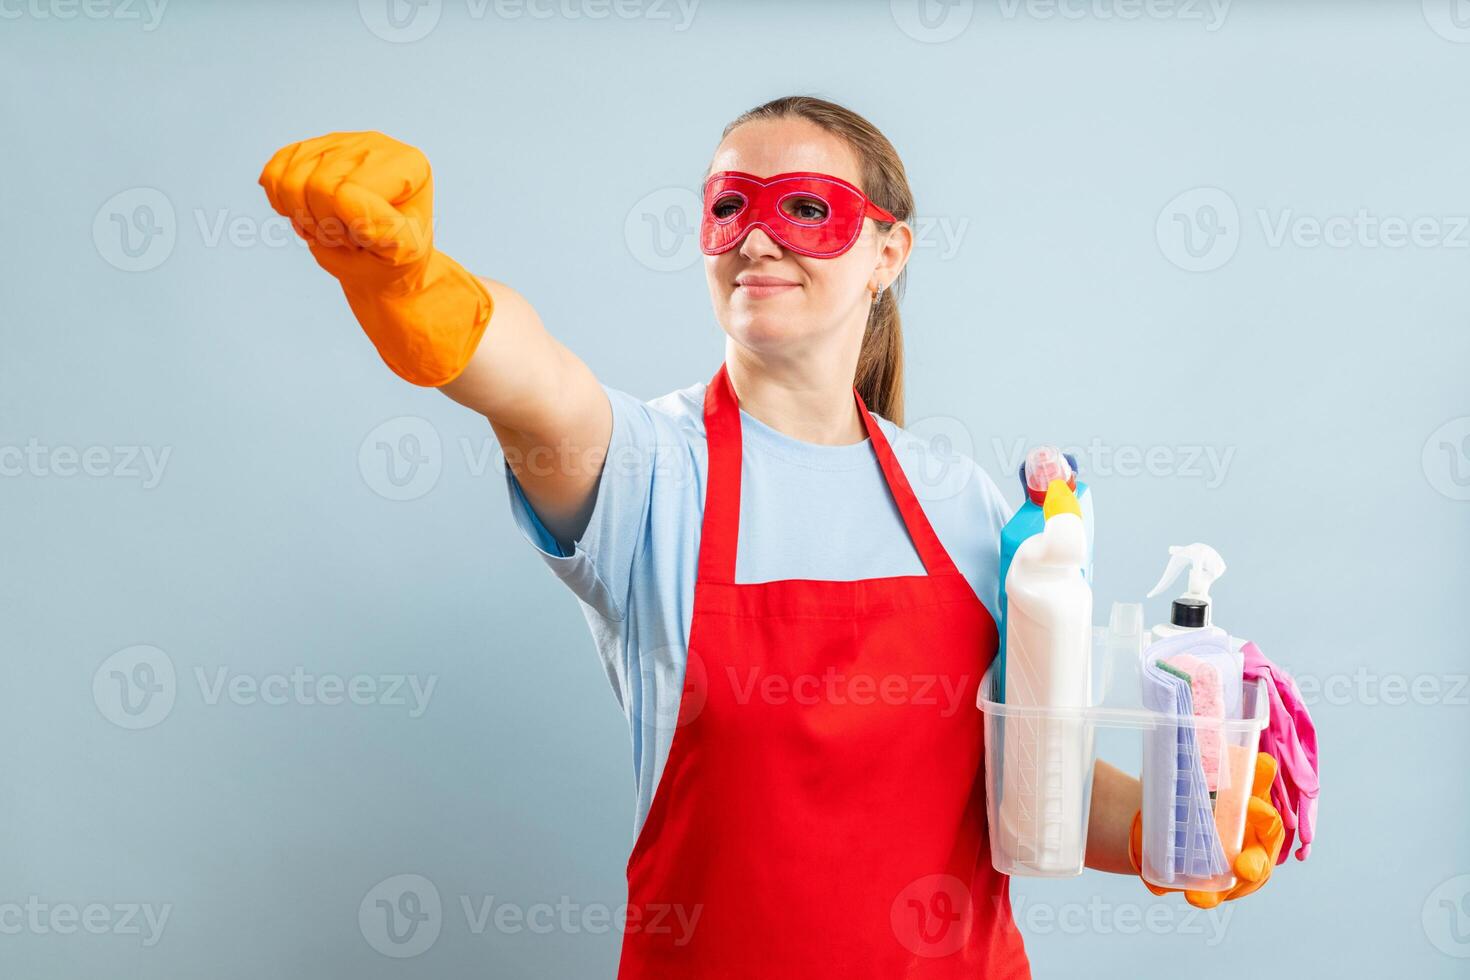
column 758, row 244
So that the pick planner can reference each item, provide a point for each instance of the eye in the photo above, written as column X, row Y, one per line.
column 726, row 206
column 808, row 209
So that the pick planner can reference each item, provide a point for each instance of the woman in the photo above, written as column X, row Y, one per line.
column 797, row 641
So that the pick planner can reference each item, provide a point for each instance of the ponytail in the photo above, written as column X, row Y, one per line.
column 880, row 362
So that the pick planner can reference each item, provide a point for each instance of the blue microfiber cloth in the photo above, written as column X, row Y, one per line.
column 1186, row 834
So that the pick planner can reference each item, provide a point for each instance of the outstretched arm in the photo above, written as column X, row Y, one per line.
column 364, row 204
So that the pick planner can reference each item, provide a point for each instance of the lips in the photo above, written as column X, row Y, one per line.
column 757, row 287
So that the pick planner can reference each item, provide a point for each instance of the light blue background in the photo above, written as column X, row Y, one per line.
column 1052, row 147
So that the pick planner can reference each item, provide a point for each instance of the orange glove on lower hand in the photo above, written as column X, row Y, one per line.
column 1264, row 837
column 364, row 203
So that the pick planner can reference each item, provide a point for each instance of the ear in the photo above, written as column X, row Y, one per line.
column 894, row 247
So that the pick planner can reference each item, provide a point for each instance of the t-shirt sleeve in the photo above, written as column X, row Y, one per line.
column 598, row 566
column 999, row 509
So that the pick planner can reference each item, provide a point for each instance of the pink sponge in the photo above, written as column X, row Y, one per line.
column 1209, row 704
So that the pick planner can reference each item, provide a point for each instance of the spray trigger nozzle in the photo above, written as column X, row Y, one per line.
column 1204, row 564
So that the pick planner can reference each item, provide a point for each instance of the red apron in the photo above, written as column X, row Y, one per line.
column 822, row 810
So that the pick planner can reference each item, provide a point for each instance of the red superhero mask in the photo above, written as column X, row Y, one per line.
column 811, row 214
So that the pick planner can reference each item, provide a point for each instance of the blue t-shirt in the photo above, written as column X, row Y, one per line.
column 806, row 511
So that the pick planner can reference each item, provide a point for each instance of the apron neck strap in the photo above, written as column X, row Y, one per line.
column 721, row 526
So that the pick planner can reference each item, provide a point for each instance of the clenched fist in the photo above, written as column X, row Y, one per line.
column 364, row 204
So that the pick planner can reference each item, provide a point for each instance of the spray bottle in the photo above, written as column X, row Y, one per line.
column 1191, row 612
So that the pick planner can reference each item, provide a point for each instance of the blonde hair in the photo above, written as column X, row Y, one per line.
column 880, row 362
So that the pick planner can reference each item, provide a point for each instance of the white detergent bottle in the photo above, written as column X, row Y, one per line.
column 1047, row 758
column 1191, row 612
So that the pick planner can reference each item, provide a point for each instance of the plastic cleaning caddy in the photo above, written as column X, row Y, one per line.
column 1183, row 847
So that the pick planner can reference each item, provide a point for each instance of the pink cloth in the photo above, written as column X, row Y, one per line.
column 1290, row 738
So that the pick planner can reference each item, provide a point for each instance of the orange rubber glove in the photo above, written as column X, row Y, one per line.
column 1264, row 837
column 365, row 205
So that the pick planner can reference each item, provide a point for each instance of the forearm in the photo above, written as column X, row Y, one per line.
column 1116, row 797
column 520, row 377
column 548, row 410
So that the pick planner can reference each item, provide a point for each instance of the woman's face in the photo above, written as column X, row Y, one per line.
column 775, row 301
